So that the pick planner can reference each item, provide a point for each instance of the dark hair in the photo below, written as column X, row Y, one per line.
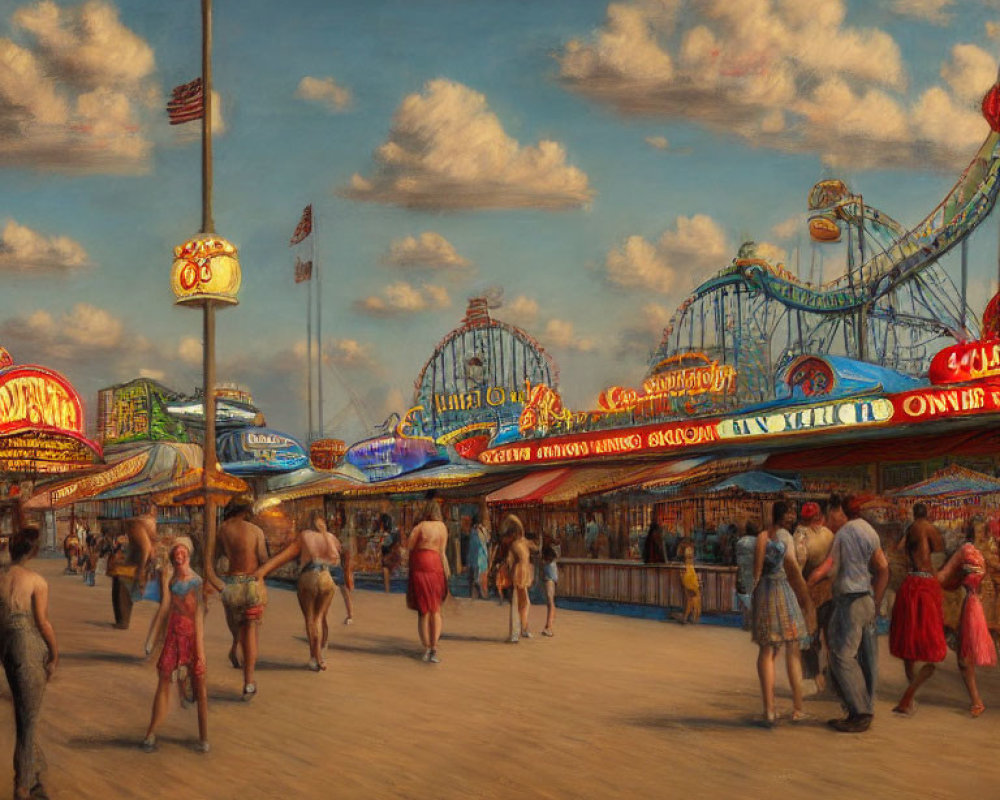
column 919, row 510
column 778, row 511
column 548, row 553
column 835, row 503
column 475, row 518
column 385, row 522
column 240, row 504
column 24, row 543
column 752, row 529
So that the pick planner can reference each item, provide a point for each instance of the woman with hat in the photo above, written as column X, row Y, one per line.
column 183, row 654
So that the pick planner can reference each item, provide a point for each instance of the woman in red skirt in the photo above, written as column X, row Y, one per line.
column 974, row 645
column 428, row 582
column 183, row 655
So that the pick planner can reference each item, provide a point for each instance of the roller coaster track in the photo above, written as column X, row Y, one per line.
column 893, row 283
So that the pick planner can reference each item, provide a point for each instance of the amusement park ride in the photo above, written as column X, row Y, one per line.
column 892, row 306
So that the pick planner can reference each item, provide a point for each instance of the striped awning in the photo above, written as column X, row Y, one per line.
column 529, row 489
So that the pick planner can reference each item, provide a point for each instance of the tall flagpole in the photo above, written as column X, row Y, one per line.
column 319, row 334
column 208, row 226
column 309, row 361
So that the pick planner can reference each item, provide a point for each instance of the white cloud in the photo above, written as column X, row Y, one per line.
column 790, row 227
column 772, row 252
column 74, row 99
column 84, row 334
column 695, row 246
column 935, row 11
column 402, row 298
column 970, row 72
column 447, row 149
column 324, row 91
column 429, row 250
column 348, row 353
column 25, row 250
column 787, row 74
column 522, row 311
column 658, row 142
column 153, row 374
column 190, row 351
column 561, row 334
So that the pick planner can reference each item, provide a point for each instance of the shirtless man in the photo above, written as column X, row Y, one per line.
column 317, row 550
column 128, row 578
column 917, row 629
column 244, row 596
column 429, row 571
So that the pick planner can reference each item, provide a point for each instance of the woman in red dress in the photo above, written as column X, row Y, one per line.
column 975, row 648
column 183, row 655
column 428, row 581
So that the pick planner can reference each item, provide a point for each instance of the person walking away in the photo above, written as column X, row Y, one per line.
column 522, row 575
column 29, row 653
column 479, row 558
column 779, row 596
column 428, row 576
column 916, row 632
column 974, row 646
column 182, row 608
column 550, row 577
column 388, row 550
column 318, row 552
column 856, row 556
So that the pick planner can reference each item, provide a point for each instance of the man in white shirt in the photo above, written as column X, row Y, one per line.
column 855, row 557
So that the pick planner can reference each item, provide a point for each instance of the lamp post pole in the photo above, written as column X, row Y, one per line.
column 208, row 226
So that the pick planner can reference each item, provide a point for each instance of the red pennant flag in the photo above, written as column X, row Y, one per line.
column 187, row 103
column 305, row 226
column 303, row 270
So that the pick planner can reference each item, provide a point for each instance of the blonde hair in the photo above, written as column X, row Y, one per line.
column 432, row 512
column 513, row 521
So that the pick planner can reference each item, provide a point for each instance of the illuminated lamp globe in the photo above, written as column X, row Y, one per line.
column 206, row 269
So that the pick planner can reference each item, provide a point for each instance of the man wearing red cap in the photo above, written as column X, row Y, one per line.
column 813, row 541
column 917, row 629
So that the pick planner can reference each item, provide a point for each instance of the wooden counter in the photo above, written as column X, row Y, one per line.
column 644, row 584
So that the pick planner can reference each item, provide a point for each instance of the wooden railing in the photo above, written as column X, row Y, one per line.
column 644, row 584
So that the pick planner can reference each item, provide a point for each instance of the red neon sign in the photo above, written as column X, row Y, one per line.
column 34, row 398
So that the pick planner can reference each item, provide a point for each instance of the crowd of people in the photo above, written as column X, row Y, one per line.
column 816, row 593
column 811, row 583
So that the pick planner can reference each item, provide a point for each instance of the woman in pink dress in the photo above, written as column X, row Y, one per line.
column 975, row 648
column 183, row 654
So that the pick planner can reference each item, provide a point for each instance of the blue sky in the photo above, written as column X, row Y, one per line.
column 595, row 161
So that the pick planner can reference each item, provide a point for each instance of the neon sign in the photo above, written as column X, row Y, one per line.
column 675, row 390
column 33, row 398
column 205, row 269
column 966, row 362
column 811, row 418
column 931, row 403
column 650, row 438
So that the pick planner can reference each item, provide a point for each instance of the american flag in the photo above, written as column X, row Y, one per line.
column 187, row 103
column 305, row 226
column 303, row 270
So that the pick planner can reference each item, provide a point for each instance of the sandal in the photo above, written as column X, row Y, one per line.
column 249, row 692
column 149, row 744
